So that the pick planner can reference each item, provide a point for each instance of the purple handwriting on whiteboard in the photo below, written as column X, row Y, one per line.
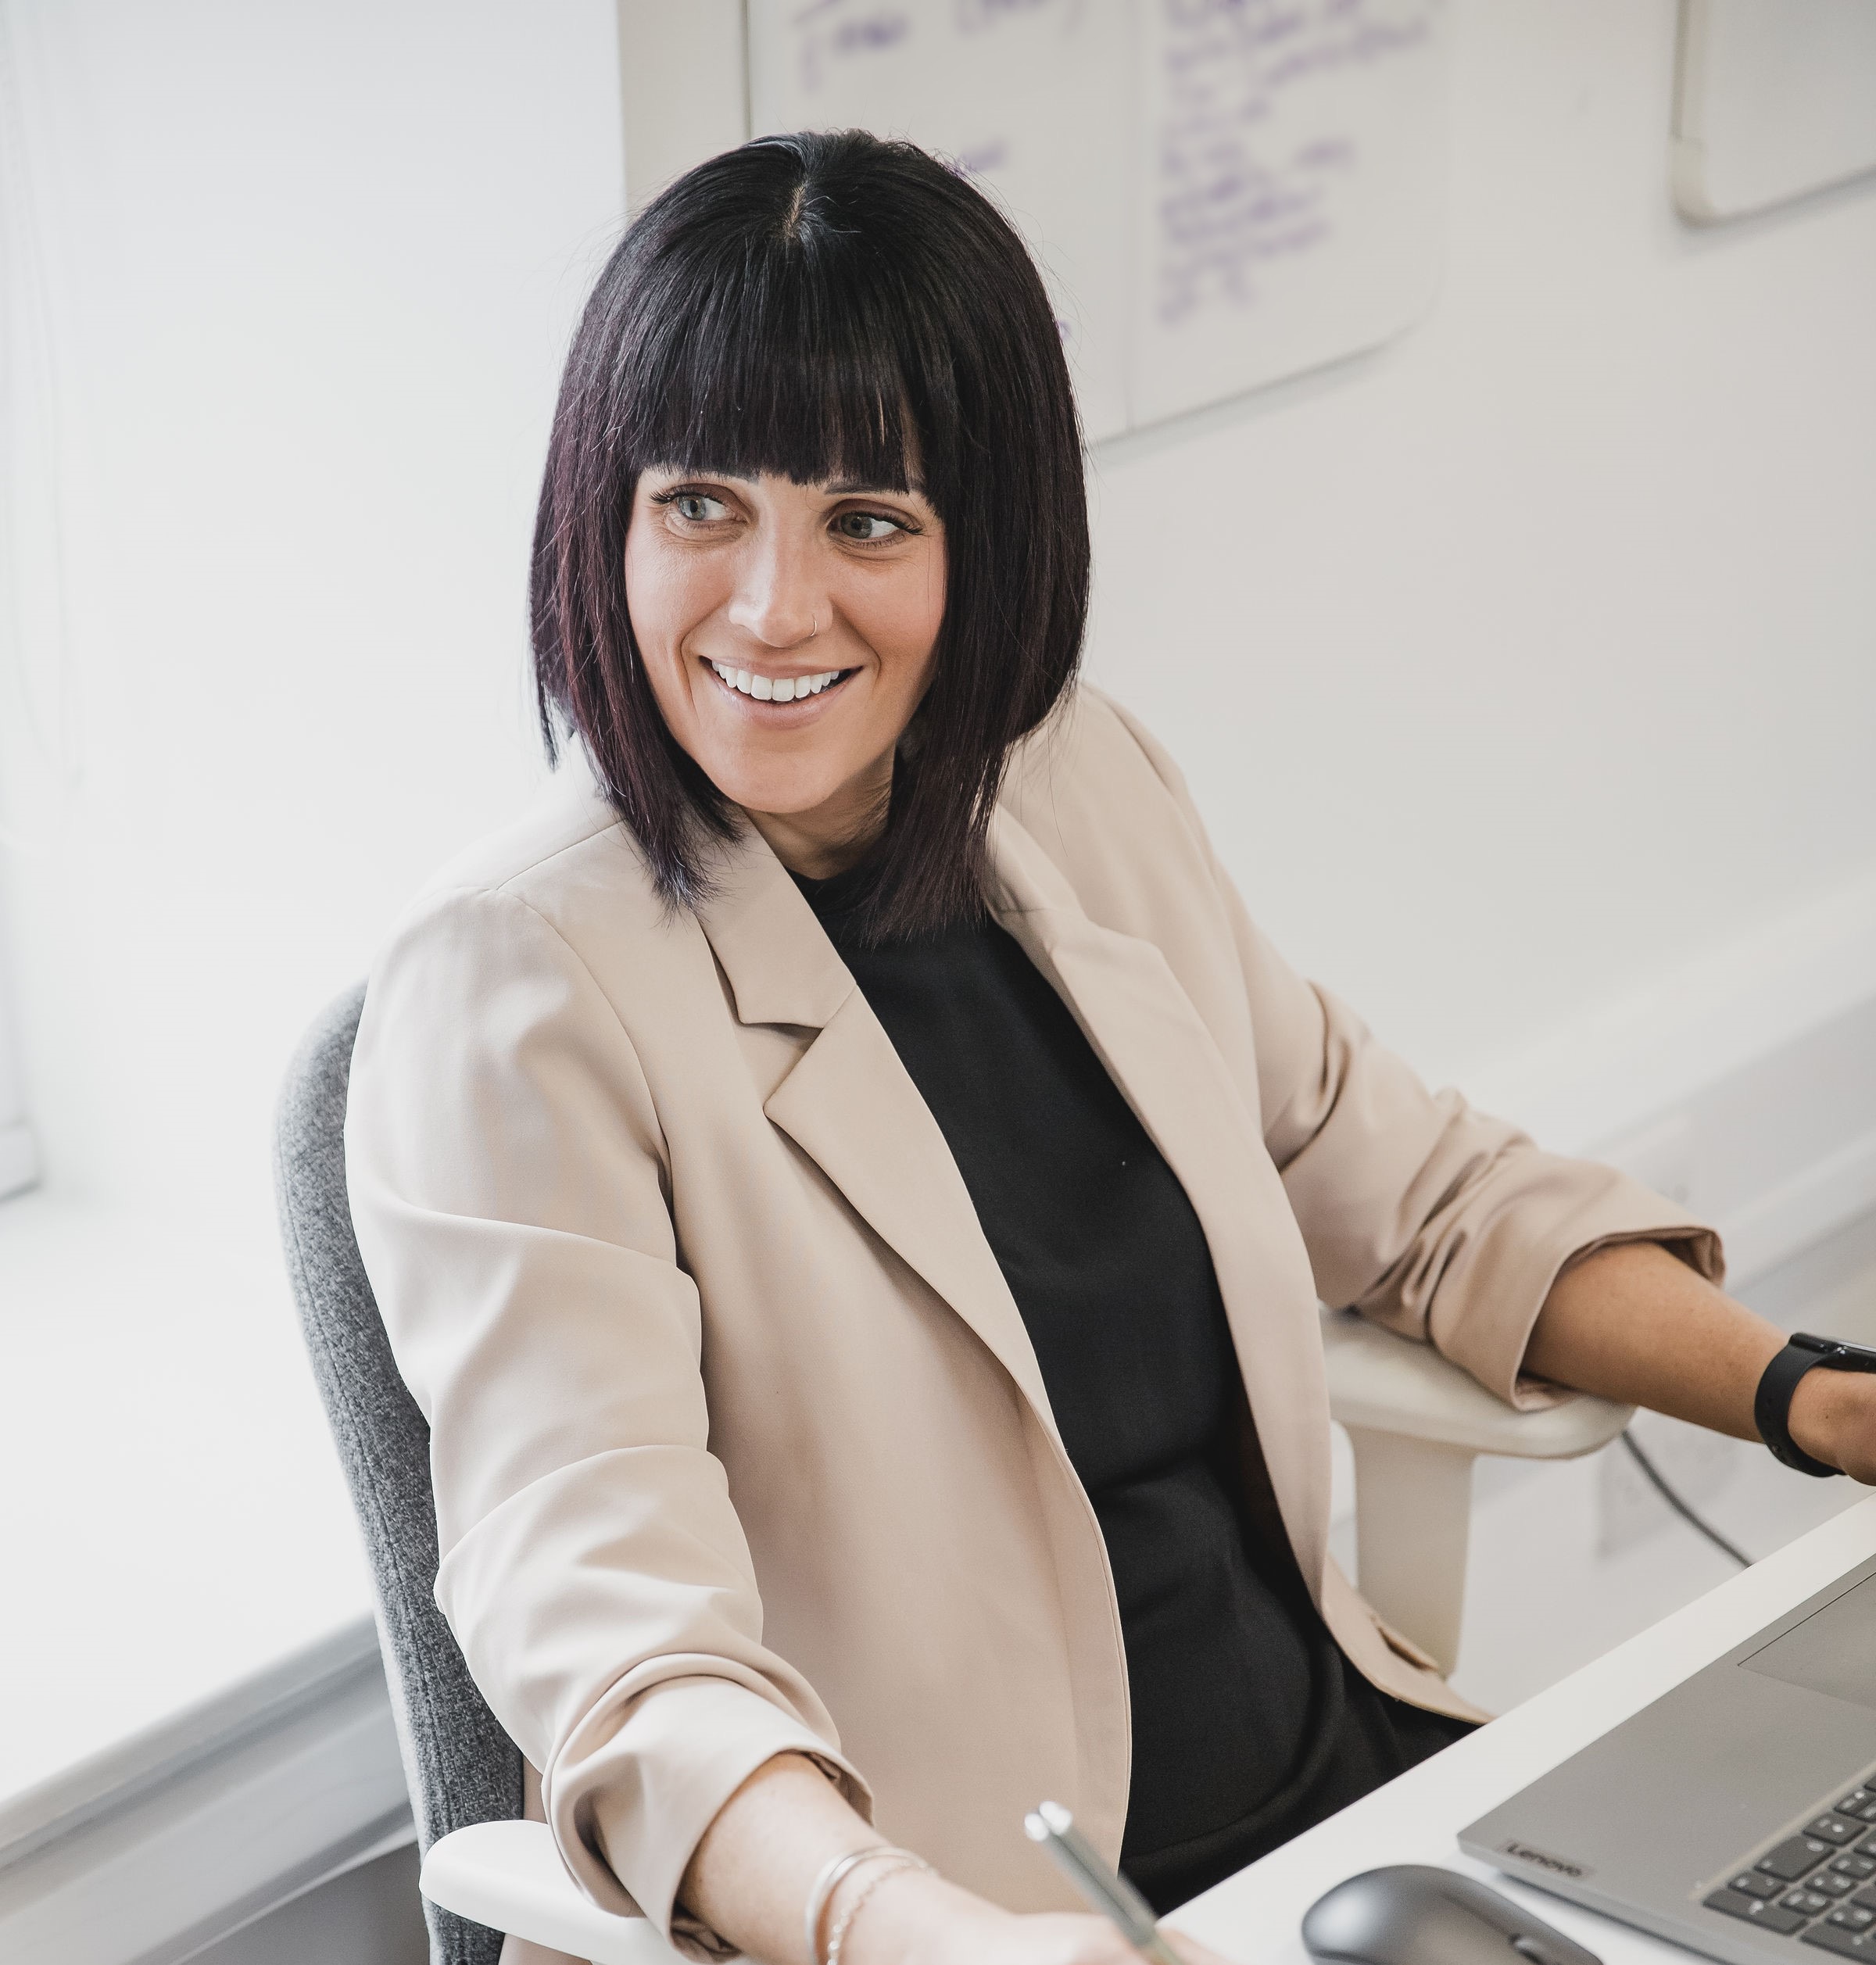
column 831, row 33
column 1246, row 179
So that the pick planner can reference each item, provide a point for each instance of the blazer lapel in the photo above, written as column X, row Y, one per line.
column 851, row 1105
column 1159, row 1052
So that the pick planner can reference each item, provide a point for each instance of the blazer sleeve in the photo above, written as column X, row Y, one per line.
column 1434, row 1220
column 509, row 1190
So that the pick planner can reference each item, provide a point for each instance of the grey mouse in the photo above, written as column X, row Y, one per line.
column 1412, row 1914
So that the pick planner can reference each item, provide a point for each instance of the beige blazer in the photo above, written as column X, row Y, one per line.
column 739, row 1444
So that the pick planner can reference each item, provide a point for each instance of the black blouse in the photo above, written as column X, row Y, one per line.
column 1248, row 1725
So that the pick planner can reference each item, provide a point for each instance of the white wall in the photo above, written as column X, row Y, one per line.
column 309, row 272
column 1535, row 659
column 1518, row 666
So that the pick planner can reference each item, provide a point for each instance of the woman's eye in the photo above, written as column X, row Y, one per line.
column 867, row 527
column 699, row 507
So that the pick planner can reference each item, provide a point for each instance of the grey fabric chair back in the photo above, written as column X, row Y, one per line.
column 461, row 1766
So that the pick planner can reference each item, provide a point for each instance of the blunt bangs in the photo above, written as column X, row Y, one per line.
column 824, row 307
column 761, row 371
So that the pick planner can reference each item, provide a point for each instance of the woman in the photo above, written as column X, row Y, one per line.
column 851, row 1188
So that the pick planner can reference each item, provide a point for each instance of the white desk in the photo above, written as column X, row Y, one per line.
column 1255, row 1915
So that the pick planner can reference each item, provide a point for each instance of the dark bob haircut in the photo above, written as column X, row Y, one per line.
column 817, row 307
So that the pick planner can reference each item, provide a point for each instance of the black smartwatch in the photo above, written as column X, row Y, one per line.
column 1772, row 1402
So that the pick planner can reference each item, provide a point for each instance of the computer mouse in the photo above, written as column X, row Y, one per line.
column 1412, row 1914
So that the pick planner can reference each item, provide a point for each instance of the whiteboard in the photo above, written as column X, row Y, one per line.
column 1220, row 193
column 1773, row 98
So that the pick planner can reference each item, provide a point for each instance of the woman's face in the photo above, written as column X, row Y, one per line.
column 787, row 631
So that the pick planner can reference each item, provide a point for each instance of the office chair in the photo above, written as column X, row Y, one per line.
column 461, row 1767
column 1416, row 1423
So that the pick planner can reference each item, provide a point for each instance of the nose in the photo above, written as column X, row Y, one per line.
column 778, row 599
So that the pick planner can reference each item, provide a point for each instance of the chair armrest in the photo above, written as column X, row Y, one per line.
column 1382, row 1383
column 509, row 1876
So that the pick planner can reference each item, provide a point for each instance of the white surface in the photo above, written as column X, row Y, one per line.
column 1379, row 1380
column 221, row 1833
column 1604, row 1077
column 19, row 1158
column 1775, row 98
column 170, row 1505
column 1415, row 1424
column 683, row 88
column 19, row 1162
column 1255, row 1915
column 1218, row 201
column 1412, row 1530
column 510, row 1875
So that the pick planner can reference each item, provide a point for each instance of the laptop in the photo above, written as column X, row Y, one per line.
column 1736, row 1815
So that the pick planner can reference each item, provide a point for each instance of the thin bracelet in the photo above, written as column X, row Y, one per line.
column 831, row 1872
column 838, row 1936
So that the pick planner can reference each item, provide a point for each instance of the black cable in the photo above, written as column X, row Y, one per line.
column 1659, row 1483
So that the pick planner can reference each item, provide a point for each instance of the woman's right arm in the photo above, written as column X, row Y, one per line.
column 507, row 1174
column 754, row 1869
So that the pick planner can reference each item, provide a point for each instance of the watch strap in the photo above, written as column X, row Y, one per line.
column 1772, row 1401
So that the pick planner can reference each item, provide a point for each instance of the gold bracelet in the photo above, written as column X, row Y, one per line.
column 906, row 1860
column 832, row 1871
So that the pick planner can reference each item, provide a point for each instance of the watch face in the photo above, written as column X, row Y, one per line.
column 1835, row 1353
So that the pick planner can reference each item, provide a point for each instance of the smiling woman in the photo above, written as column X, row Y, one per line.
column 784, row 402
column 788, row 631
column 849, row 1186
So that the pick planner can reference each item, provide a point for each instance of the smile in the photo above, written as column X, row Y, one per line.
column 778, row 689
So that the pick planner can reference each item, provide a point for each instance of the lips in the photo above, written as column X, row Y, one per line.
column 778, row 689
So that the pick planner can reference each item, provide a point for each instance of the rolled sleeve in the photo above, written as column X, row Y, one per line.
column 632, row 1792
column 1442, row 1223
column 1475, row 1278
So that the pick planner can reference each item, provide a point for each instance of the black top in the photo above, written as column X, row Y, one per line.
column 1248, row 1726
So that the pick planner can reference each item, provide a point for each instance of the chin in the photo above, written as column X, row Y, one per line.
column 783, row 794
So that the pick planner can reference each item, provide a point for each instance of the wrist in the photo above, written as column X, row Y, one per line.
column 899, row 1918
column 1832, row 1417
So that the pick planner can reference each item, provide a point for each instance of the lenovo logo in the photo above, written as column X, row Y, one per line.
column 1525, row 1853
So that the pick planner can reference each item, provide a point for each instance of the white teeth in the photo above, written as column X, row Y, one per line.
column 775, row 689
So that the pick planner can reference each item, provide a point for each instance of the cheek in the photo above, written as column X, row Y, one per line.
column 909, row 623
column 663, row 596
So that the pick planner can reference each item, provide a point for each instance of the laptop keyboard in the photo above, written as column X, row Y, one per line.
column 1817, row 1887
